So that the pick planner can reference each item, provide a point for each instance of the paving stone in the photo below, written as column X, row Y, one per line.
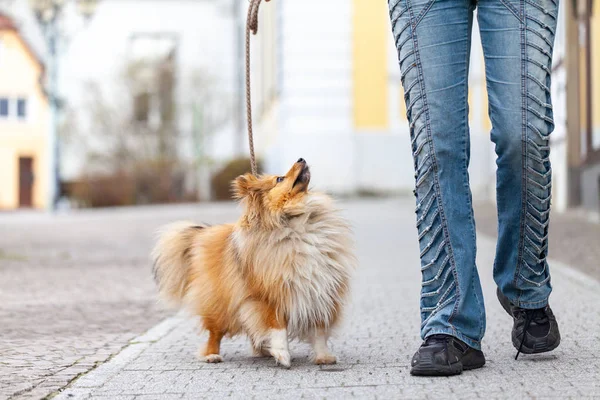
column 78, row 291
column 374, row 345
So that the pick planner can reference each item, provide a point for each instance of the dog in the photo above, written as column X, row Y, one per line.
column 282, row 272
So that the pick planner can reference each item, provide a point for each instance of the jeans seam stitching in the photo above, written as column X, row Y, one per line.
column 539, row 177
column 423, row 13
column 525, row 158
column 466, row 144
column 512, row 9
column 438, row 193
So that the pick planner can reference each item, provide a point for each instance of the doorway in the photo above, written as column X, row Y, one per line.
column 26, row 182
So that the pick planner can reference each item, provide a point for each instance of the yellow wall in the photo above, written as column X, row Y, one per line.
column 487, row 123
column 19, row 77
column 370, row 75
column 402, row 105
column 10, row 151
column 595, row 41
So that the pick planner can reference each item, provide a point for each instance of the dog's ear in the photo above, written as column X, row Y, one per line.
column 244, row 185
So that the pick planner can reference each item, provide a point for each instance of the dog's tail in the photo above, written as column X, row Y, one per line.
column 171, row 257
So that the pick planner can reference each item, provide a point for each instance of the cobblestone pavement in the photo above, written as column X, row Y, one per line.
column 74, row 289
column 376, row 343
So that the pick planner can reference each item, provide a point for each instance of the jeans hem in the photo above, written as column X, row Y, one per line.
column 529, row 305
column 453, row 332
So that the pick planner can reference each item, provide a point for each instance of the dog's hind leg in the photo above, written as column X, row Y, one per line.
column 260, row 349
column 266, row 328
column 322, row 354
column 210, row 353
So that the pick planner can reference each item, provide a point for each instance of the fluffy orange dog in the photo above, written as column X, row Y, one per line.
column 281, row 272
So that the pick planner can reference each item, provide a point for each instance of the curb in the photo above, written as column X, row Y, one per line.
column 98, row 376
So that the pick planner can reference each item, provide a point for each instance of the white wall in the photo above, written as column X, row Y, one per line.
column 314, row 117
column 99, row 53
column 315, row 105
column 558, row 139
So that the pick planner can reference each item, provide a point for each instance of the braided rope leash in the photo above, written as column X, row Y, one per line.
column 251, row 27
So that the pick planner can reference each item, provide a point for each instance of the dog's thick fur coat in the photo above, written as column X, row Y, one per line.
column 281, row 272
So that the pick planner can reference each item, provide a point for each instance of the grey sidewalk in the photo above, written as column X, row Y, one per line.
column 75, row 288
column 376, row 343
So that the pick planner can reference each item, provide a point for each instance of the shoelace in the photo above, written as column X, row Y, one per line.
column 537, row 315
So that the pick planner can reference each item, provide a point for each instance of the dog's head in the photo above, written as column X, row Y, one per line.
column 269, row 198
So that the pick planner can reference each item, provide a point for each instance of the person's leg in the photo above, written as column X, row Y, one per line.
column 517, row 37
column 433, row 39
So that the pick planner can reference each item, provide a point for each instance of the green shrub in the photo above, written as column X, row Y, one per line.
column 147, row 182
column 221, row 181
column 104, row 190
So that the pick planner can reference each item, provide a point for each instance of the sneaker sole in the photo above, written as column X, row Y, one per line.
column 540, row 347
column 438, row 370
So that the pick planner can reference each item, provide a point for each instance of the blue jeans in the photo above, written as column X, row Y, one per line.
column 433, row 39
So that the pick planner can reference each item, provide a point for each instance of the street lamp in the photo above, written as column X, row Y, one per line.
column 48, row 14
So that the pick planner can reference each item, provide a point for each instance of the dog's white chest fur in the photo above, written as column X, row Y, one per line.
column 310, row 261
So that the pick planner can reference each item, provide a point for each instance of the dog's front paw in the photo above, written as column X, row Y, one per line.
column 212, row 358
column 325, row 359
column 282, row 357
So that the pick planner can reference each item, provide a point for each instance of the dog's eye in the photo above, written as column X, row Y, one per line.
column 280, row 179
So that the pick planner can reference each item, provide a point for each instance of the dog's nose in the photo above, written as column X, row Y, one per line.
column 301, row 160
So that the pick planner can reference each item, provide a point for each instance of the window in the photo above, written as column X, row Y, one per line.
column 141, row 107
column 21, row 108
column 3, row 107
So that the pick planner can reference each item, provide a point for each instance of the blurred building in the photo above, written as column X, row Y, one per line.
column 181, row 50
column 24, row 118
column 327, row 88
column 582, row 65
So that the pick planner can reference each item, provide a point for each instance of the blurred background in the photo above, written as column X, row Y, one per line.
column 111, row 103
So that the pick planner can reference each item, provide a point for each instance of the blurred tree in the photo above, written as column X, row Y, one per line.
column 135, row 135
column 210, row 113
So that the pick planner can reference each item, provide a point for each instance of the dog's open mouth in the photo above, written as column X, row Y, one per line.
column 303, row 177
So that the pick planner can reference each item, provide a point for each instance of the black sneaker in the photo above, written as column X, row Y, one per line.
column 534, row 331
column 445, row 355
